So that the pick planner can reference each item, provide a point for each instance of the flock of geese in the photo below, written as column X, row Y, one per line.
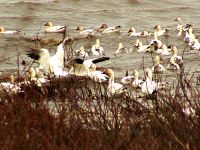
column 82, row 65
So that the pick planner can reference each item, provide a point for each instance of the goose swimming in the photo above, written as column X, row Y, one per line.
column 50, row 28
column 140, row 47
column 9, row 32
column 159, row 32
column 97, row 49
column 120, row 49
column 175, row 60
column 107, row 29
column 133, row 33
column 86, row 32
column 113, row 87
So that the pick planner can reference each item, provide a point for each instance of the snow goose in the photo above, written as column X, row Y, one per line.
column 140, row 47
column 81, row 67
column 97, row 49
column 53, row 64
column 149, row 86
column 120, row 49
column 127, row 79
column 156, row 43
column 113, row 87
column 159, row 32
column 107, row 29
column 81, row 53
column 133, row 33
column 85, row 32
column 158, row 68
column 136, row 82
column 175, row 60
column 189, row 36
column 180, row 24
column 96, row 75
column 49, row 28
column 35, row 76
column 195, row 45
column 10, row 32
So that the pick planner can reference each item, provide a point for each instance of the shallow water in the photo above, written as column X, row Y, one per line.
column 30, row 15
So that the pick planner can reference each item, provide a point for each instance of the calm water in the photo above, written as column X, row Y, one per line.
column 29, row 15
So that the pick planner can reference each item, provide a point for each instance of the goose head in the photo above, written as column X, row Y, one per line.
column 157, row 27
column 79, row 28
column 103, row 26
column 132, row 29
column 48, row 24
column 110, row 74
column 178, row 19
column 1, row 29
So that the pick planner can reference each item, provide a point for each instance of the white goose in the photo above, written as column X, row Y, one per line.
column 180, row 24
column 127, row 79
column 107, row 29
column 133, row 33
column 96, row 75
column 140, row 47
column 85, row 32
column 81, row 53
column 34, row 75
column 195, row 45
column 113, row 88
column 149, row 86
column 81, row 67
column 49, row 28
column 53, row 64
column 189, row 36
column 120, row 49
column 175, row 60
column 158, row 68
column 97, row 49
column 156, row 43
column 137, row 83
column 10, row 32
column 159, row 32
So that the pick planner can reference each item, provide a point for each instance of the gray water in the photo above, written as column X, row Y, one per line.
column 30, row 15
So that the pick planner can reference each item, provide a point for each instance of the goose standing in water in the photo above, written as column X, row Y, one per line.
column 49, row 28
column 96, row 75
column 53, row 64
column 9, row 32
